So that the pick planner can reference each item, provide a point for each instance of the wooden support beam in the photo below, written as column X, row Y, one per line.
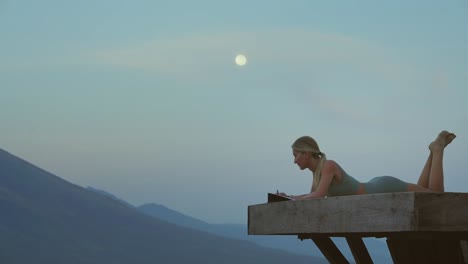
column 399, row 251
column 449, row 251
column 408, row 249
column 464, row 249
column 328, row 249
column 359, row 250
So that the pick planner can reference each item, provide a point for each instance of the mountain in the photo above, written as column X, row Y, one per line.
column 377, row 248
column 45, row 219
column 90, row 188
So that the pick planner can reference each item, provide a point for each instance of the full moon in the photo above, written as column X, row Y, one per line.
column 241, row 60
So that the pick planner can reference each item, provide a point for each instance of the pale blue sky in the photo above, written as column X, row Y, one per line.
column 143, row 99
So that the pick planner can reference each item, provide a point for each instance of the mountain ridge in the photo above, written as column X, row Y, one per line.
column 55, row 221
column 377, row 249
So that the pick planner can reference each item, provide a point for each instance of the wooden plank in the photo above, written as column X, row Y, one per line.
column 329, row 250
column 376, row 213
column 393, row 212
column 359, row 250
column 441, row 211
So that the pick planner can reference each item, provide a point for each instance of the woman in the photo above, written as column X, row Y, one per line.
column 331, row 180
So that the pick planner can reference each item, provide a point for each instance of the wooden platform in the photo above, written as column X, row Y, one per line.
column 419, row 227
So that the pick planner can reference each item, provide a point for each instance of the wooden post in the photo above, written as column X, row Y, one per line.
column 328, row 249
column 359, row 250
column 464, row 249
column 434, row 249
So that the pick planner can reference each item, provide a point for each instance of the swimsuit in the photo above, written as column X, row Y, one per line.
column 382, row 184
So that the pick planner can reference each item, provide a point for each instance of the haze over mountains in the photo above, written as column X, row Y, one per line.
column 45, row 219
column 377, row 248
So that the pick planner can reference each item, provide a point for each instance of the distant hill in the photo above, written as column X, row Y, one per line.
column 45, row 219
column 90, row 188
column 377, row 248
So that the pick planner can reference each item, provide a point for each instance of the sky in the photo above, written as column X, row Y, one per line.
column 143, row 99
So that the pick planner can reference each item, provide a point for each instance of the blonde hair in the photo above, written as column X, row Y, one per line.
column 307, row 144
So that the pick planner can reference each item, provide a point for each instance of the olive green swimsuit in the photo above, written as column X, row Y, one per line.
column 381, row 184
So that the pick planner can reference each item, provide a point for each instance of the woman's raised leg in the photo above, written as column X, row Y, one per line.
column 432, row 175
column 436, row 176
column 424, row 177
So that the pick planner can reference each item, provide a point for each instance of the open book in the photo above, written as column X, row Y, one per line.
column 277, row 198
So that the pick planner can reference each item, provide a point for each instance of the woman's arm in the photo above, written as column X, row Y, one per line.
column 306, row 196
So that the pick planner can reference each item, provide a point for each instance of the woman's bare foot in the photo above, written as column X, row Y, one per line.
column 443, row 139
column 449, row 138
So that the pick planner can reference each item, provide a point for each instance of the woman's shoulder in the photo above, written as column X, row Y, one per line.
column 330, row 165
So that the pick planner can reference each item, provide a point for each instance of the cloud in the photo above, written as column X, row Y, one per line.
column 345, row 109
column 383, row 75
column 183, row 55
column 190, row 55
